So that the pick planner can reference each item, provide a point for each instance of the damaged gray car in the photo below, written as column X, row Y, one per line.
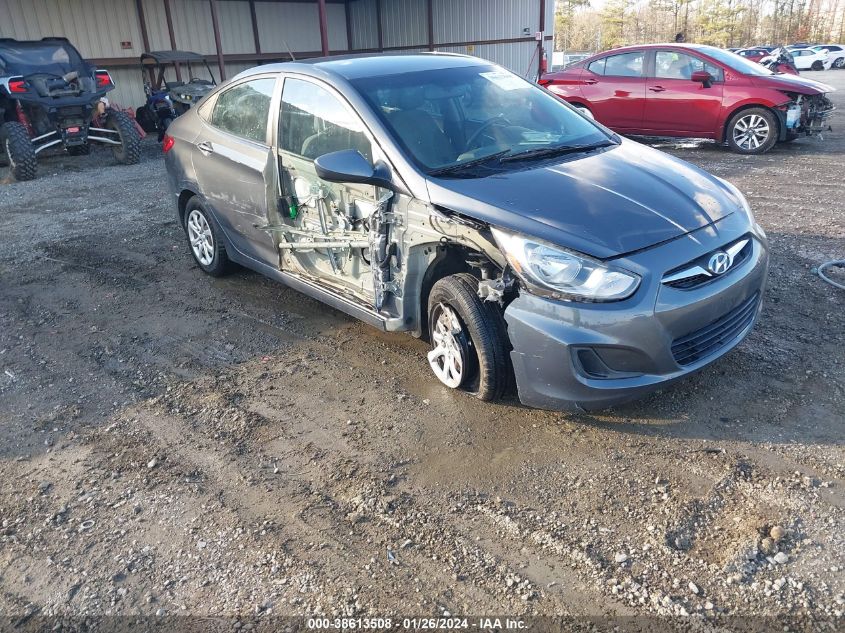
column 444, row 196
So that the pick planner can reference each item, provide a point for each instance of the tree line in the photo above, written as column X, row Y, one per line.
column 727, row 23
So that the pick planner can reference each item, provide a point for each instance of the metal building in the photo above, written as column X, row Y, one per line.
column 238, row 34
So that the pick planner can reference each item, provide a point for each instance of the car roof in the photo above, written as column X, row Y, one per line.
column 371, row 65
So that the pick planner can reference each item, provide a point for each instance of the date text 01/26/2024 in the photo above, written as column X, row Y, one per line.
column 443, row 623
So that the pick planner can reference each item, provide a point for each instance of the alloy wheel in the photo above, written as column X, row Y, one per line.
column 839, row 63
column 201, row 238
column 751, row 131
column 448, row 359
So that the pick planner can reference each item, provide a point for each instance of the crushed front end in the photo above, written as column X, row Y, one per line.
column 806, row 115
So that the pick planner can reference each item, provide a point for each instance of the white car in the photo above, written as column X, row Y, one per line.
column 835, row 55
column 809, row 58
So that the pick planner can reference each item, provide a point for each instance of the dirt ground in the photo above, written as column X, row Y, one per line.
column 176, row 444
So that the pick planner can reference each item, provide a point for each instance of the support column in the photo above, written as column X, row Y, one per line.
column 430, row 10
column 145, row 38
column 170, row 32
column 256, row 39
column 379, row 32
column 541, row 43
column 324, row 27
column 349, row 46
column 216, row 25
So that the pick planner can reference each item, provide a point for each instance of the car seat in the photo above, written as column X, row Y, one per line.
column 419, row 131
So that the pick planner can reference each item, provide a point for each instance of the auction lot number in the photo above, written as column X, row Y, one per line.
column 372, row 624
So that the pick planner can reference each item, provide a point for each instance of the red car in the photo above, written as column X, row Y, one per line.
column 753, row 54
column 695, row 91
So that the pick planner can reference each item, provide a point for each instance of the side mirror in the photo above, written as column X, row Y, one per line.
column 349, row 165
column 702, row 77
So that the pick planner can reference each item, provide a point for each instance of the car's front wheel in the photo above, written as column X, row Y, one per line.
column 752, row 131
column 817, row 65
column 839, row 63
column 205, row 240
column 18, row 150
column 470, row 346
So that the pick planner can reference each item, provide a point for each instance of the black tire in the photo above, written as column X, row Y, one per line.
column 483, row 337
column 742, row 144
column 129, row 150
column 817, row 65
column 79, row 150
column 219, row 263
column 147, row 119
column 18, row 150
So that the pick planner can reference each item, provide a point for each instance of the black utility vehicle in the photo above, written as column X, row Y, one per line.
column 168, row 98
column 50, row 96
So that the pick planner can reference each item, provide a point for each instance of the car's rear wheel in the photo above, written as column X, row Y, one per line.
column 470, row 346
column 129, row 150
column 752, row 131
column 18, row 150
column 204, row 238
column 817, row 65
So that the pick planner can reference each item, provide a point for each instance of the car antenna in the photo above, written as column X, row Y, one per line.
column 290, row 52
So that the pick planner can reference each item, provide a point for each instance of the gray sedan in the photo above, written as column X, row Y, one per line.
column 444, row 196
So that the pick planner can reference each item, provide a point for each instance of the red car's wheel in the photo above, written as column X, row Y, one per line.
column 752, row 131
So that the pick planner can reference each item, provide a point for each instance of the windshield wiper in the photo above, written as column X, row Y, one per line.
column 555, row 150
column 448, row 169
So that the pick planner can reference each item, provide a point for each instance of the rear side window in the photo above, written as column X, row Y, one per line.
column 315, row 122
column 623, row 65
column 675, row 65
column 243, row 110
column 597, row 66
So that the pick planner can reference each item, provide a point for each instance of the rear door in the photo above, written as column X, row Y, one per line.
column 677, row 105
column 614, row 87
column 235, row 164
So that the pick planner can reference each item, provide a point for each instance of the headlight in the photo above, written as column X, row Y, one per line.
column 551, row 271
column 745, row 206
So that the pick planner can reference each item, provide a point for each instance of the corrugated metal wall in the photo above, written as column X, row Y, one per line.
column 97, row 28
column 362, row 17
column 405, row 24
column 470, row 20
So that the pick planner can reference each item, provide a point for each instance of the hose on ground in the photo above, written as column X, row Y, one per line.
column 839, row 263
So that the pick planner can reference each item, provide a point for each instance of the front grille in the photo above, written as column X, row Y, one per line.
column 708, row 340
column 695, row 280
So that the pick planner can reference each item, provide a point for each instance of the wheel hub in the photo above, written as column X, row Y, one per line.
column 448, row 358
column 751, row 131
column 201, row 238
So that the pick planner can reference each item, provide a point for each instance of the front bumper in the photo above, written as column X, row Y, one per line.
column 571, row 356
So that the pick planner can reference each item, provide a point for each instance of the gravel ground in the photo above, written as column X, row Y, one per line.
column 176, row 444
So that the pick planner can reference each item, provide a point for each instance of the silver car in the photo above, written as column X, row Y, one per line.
column 444, row 196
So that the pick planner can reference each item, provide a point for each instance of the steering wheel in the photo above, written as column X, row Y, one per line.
column 499, row 118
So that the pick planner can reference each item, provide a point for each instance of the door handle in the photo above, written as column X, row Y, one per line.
column 205, row 147
column 657, row 89
column 590, row 82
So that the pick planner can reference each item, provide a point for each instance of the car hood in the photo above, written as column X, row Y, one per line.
column 793, row 83
column 607, row 203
